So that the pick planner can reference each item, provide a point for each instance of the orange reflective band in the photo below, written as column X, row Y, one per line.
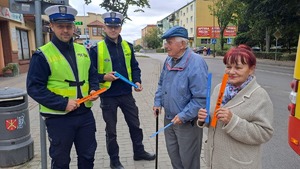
column 86, row 98
column 219, row 101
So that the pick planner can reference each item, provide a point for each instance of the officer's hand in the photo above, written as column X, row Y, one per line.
column 72, row 105
column 110, row 77
column 140, row 88
column 93, row 98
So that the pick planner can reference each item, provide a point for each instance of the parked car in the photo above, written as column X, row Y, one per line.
column 199, row 50
column 256, row 48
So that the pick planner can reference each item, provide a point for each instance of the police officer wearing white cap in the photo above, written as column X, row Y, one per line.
column 60, row 72
column 116, row 55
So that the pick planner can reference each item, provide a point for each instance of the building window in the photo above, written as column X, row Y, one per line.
column 86, row 31
column 97, row 31
column 205, row 41
column 191, row 19
column 23, row 44
column 187, row 20
column 191, row 30
column 192, row 7
column 187, row 10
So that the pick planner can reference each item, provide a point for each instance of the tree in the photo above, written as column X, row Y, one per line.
column 267, row 16
column 122, row 6
column 152, row 38
column 226, row 11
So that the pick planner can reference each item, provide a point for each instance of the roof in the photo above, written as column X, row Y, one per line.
column 96, row 23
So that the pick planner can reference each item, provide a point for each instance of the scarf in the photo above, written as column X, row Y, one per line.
column 231, row 91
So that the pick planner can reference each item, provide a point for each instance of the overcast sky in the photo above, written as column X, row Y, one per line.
column 131, row 30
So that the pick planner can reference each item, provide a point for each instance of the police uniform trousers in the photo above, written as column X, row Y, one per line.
column 126, row 103
column 184, row 144
column 64, row 131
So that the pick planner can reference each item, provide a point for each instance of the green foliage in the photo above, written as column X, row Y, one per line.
column 152, row 38
column 227, row 12
column 122, row 6
column 267, row 16
column 13, row 67
column 8, row 67
column 269, row 55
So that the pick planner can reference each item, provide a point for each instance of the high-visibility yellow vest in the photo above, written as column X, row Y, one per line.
column 62, row 74
column 105, row 64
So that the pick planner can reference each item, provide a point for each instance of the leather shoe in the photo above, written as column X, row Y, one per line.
column 144, row 156
column 116, row 165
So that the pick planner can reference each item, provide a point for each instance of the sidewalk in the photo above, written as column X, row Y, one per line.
column 150, row 73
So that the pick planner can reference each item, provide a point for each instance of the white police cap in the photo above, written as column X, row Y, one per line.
column 61, row 13
column 112, row 18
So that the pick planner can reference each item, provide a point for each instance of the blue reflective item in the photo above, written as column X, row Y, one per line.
column 125, row 80
column 208, row 97
column 160, row 130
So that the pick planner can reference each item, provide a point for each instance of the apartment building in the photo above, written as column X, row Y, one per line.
column 145, row 31
column 202, row 27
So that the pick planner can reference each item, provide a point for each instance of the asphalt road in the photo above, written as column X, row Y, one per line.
column 276, row 80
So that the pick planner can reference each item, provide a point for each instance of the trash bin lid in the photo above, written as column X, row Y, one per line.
column 9, row 92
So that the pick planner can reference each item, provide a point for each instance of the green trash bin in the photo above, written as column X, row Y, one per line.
column 16, row 144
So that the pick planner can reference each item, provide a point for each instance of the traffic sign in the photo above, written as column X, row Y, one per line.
column 214, row 41
column 78, row 23
column 277, row 34
column 229, row 41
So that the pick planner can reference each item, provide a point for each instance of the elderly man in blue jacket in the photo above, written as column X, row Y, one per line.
column 181, row 92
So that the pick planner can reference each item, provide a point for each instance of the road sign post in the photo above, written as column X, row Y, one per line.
column 214, row 41
column 277, row 35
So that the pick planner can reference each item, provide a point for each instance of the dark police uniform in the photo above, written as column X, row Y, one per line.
column 77, row 126
column 119, row 93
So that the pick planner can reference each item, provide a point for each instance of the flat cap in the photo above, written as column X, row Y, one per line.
column 113, row 18
column 61, row 13
column 176, row 31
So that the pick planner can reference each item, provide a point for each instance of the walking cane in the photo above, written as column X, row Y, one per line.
column 156, row 150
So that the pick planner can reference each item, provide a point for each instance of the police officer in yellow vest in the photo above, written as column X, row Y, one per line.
column 116, row 55
column 61, row 72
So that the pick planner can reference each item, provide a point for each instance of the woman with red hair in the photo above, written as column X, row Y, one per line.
column 244, row 118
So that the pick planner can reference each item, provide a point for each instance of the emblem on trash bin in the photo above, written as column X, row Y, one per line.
column 11, row 124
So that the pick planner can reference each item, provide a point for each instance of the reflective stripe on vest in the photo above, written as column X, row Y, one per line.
column 61, row 70
column 105, row 64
